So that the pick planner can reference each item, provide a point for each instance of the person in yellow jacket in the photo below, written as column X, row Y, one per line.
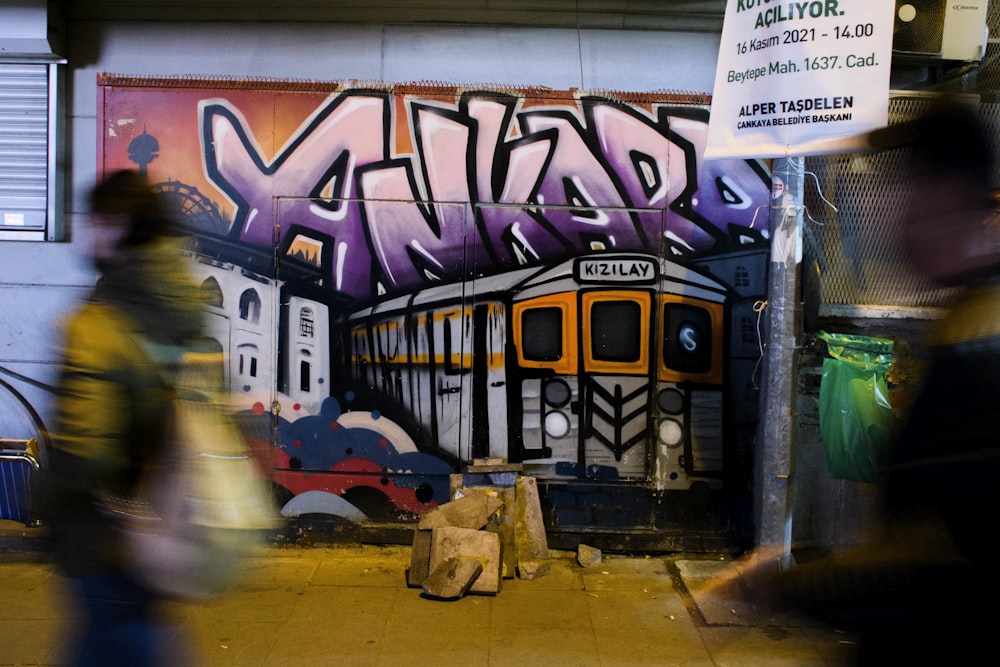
column 112, row 412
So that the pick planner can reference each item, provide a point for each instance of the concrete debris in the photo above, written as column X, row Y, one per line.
column 495, row 519
column 530, row 541
column 420, row 558
column 480, row 545
column 533, row 569
column 502, row 524
column 452, row 578
column 588, row 556
column 472, row 510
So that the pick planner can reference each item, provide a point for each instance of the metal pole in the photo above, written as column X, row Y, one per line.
column 775, row 459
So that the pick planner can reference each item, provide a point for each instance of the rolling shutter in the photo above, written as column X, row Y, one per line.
column 27, row 151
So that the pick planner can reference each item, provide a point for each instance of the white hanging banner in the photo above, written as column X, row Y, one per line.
column 800, row 78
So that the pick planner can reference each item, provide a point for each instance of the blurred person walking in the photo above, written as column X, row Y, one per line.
column 943, row 481
column 916, row 596
column 113, row 409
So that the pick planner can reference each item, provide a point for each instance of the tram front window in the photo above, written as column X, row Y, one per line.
column 542, row 331
column 687, row 338
column 616, row 331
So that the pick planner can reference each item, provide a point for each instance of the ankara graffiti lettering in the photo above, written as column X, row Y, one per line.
column 533, row 184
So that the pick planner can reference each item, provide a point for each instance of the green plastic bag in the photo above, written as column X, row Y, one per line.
column 856, row 421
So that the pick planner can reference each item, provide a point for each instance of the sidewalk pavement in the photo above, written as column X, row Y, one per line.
column 350, row 605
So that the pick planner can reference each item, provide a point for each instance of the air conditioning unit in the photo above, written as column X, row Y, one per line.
column 940, row 29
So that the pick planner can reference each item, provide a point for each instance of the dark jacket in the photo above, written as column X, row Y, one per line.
column 946, row 465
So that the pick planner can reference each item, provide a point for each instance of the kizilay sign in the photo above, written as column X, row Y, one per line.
column 800, row 78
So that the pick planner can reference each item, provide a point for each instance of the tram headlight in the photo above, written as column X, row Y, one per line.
column 670, row 433
column 556, row 424
column 556, row 393
column 671, row 401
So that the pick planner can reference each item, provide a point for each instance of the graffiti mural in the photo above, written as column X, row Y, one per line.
column 406, row 278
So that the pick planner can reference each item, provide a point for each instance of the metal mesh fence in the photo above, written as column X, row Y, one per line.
column 857, row 246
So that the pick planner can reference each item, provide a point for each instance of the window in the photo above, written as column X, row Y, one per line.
column 250, row 306
column 29, row 188
column 691, row 339
column 452, row 361
column 211, row 293
column 248, row 360
column 306, row 325
column 615, row 331
column 543, row 334
column 687, row 338
column 305, row 375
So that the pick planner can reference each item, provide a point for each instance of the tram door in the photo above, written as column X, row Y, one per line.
column 650, row 357
column 616, row 380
